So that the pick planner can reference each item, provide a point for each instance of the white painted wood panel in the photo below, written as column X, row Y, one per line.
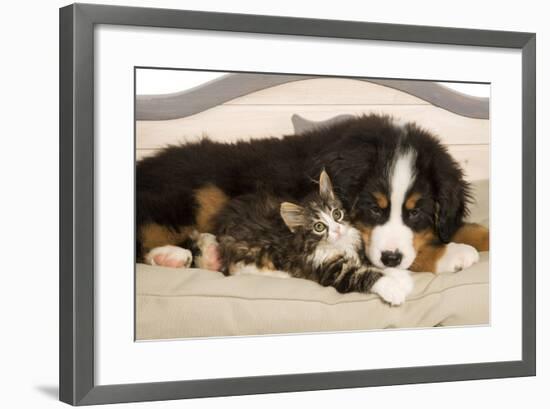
column 475, row 160
column 268, row 113
column 332, row 91
column 229, row 123
column 144, row 153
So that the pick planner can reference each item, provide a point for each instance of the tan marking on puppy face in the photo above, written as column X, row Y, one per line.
column 410, row 203
column 210, row 200
column 423, row 238
column 473, row 234
column 155, row 235
column 365, row 233
column 426, row 259
column 428, row 251
column 381, row 199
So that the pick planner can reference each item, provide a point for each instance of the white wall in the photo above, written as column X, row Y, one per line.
column 29, row 172
column 151, row 82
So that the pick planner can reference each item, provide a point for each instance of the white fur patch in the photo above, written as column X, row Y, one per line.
column 241, row 268
column 394, row 235
column 169, row 256
column 457, row 257
column 394, row 286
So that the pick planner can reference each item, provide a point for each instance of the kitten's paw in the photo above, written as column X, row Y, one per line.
column 210, row 255
column 394, row 286
column 169, row 256
column 457, row 257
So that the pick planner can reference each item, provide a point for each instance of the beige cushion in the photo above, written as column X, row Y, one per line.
column 180, row 303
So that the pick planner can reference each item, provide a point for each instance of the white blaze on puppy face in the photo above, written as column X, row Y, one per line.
column 394, row 235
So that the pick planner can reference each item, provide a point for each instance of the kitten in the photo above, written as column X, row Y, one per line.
column 263, row 234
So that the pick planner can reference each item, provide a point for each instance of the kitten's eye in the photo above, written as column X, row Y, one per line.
column 414, row 213
column 319, row 227
column 337, row 215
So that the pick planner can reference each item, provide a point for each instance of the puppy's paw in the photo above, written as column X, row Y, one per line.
column 169, row 256
column 209, row 258
column 457, row 257
column 402, row 277
column 394, row 286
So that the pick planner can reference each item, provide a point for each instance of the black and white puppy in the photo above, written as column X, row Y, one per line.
column 401, row 187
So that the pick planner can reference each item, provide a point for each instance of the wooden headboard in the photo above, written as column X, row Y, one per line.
column 244, row 106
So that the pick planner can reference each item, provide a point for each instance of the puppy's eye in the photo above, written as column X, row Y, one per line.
column 319, row 227
column 414, row 213
column 337, row 214
column 375, row 210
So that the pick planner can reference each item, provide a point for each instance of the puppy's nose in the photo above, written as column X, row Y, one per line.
column 391, row 258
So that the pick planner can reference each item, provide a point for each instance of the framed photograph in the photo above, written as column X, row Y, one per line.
column 254, row 204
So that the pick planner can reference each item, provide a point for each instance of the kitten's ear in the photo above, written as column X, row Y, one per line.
column 325, row 186
column 293, row 215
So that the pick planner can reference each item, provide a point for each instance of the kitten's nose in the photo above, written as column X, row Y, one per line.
column 391, row 258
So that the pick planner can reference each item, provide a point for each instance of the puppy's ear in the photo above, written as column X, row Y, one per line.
column 293, row 215
column 451, row 207
column 326, row 191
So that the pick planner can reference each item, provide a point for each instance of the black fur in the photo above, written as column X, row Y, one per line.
column 355, row 152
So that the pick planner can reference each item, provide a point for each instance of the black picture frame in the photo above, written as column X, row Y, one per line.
column 77, row 21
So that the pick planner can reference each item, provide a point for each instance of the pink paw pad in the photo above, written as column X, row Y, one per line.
column 166, row 261
column 169, row 256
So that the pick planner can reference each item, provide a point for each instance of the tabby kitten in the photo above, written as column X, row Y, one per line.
column 263, row 234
